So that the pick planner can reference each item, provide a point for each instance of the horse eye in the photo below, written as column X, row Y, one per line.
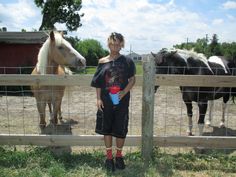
column 60, row 47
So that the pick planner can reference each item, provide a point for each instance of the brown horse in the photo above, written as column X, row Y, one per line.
column 54, row 55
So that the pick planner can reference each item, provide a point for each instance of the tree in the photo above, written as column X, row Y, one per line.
column 73, row 40
column 92, row 50
column 201, row 45
column 187, row 46
column 229, row 50
column 58, row 11
column 214, row 47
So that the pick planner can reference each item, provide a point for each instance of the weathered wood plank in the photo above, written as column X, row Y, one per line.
column 195, row 80
column 25, row 79
column 218, row 142
column 85, row 79
column 68, row 80
column 196, row 141
column 148, row 109
column 61, row 140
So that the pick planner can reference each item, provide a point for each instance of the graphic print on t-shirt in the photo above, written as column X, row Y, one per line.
column 114, row 75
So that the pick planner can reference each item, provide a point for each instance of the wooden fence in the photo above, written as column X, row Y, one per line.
column 147, row 140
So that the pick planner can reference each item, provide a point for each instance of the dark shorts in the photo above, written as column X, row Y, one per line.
column 113, row 120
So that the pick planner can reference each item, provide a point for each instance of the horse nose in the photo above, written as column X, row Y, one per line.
column 80, row 63
column 83, row 61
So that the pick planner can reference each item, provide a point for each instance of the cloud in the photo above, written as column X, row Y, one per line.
column 231, row 17
column 217, row 21
column 229, row 5
column 17, row 15
column 146, row 26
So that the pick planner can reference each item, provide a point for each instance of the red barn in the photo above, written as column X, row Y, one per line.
column 19, row 50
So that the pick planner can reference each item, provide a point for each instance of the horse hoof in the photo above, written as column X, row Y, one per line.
column 53, row 122
column 190, row 134
column 208, row 123
column 42, row 126
column 222, row 125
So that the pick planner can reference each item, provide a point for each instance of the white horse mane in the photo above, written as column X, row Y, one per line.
column 192, row 53
column 43, row 53
column 185, row 54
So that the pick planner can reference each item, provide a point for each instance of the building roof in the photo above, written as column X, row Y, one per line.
column 23, row 37
column 133, row 54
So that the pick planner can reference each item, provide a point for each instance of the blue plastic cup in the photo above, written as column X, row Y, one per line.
column 115, row 98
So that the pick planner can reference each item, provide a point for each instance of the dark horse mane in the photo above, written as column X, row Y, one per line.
column 191, row 63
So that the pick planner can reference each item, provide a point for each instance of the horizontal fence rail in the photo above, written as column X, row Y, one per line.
column 131, row 140
column 50, row 80
column 196, row 80
column 85, row 80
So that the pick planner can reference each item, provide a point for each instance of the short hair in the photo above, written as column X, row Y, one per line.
column 114, row 36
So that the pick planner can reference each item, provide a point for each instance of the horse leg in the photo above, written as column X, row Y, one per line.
column 190, row 115
column 211, row 105
column 202, row 112
column 50, row 111
column 41, row 105
column 59, row 113
column 56, row 110
column 224, row 106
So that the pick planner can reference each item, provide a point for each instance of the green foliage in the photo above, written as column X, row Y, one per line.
column 92, row 50
column 139, row 68
column 229, row 49
column 57, row 11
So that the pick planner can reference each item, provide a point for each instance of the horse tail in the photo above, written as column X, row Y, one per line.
column 233, row 99
column 233, row 94
column 156, row 88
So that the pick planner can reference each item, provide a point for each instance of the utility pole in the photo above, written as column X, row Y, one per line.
column 130, row 49
column 187, row 43
column 207, row 38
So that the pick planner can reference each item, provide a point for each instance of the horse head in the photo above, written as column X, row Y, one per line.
column 62, row 52
column 161, row 62
column 163, row 59
column 162, row 56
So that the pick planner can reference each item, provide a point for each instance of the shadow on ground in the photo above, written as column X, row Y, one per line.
column 63, row 128
column 217, row 131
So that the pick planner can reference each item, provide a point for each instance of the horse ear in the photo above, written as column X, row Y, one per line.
column 173, row 52
column 52, row 36
column 158, row 59
column 153, row 54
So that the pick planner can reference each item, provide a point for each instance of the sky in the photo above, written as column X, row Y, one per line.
column 147, row 25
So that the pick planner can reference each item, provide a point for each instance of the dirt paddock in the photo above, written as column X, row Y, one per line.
column 19, row 114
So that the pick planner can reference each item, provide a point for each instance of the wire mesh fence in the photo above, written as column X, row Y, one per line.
column 171, row 115
column 19, row 114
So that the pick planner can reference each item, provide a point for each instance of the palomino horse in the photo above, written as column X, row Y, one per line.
column 192, row 63
column 54, row 55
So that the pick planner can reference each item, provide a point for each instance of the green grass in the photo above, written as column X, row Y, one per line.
column 37, row 162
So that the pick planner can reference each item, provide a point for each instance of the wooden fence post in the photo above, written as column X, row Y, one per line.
column 148, row 108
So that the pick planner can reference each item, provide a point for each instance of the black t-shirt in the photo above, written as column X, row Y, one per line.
column 113, row 73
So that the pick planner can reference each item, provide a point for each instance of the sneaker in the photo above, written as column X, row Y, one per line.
column 120, row 164
column 109, row 164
